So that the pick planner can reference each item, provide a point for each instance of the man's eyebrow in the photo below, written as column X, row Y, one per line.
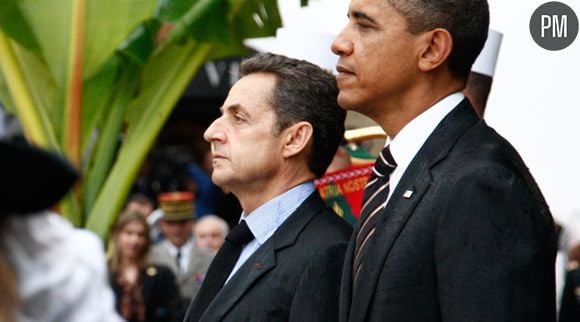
column 359, row 15
column 230, row 108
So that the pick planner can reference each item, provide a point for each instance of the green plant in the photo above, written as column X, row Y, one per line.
column 95, row 80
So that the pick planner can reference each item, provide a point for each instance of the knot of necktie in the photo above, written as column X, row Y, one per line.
column 385, row 163
column 241, row 234
column 220, row 268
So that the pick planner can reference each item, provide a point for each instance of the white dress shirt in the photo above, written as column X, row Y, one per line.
column 185, row 254
column 411, row 138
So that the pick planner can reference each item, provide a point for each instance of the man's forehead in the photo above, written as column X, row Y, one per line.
column 370, row 11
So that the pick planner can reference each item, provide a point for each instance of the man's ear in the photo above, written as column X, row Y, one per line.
column 296, row 138
column 437, row 46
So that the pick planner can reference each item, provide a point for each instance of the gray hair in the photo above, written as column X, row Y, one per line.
column 215, row 218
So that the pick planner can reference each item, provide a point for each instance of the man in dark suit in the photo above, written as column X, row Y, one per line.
column 178, row 251
column 570, row 302
column 279, row 129
column 461, row 232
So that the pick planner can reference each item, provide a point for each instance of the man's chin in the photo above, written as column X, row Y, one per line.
column 345, row 102
column 218, row 179
column 349, row 107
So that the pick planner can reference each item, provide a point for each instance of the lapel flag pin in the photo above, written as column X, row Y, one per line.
column 408, row 194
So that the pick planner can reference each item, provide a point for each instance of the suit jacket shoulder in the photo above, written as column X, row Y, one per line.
column 294, row 276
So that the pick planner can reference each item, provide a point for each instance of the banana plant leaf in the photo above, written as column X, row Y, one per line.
column 96, row 80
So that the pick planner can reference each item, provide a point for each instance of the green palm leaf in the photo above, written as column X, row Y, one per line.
column 97, row 79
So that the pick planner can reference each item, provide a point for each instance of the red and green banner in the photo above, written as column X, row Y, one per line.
column 343, row 190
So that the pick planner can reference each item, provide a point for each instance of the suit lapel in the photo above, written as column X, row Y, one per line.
column 393, row 219
column 417, row 180
column 167, row 259
column 259, row 264
column 263, row 260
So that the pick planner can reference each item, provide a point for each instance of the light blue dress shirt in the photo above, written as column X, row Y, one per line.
column 266, row 219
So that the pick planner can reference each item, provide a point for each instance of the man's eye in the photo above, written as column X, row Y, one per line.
column 363, row 26
column 238, row 118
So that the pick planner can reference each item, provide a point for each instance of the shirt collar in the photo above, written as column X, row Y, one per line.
column 185, row 248
column 267, row 218
column 411, row 138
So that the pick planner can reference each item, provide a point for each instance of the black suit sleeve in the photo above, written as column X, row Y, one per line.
column 316, row 297
column 569, row 309
column 495, row 249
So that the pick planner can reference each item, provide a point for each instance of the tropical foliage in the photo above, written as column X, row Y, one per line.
column 95, row 80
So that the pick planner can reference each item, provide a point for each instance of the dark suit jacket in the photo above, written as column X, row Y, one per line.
column 475, row 241
column 294, row 276
column 159, row 291
column 570, row 305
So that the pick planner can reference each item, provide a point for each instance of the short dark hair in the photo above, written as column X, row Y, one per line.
column 466, row 20
column 304, row 92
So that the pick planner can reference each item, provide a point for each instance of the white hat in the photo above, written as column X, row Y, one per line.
column 300, row 44
column 487, row 59
column 304, row 36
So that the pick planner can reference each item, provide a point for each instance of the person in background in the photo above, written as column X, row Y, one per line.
column 279, row 130
column 141, row 202
column 154, row 221
column 453, row 225
column 211, row 199
column 49, row 270
column 480, row 78
column 210, row 232
column 570, row 302
column 144, row 292
column 340, row 161
column 138, row 201
column 178, row 251
column 207, row 193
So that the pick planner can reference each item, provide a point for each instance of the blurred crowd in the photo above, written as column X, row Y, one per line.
column 159, row 249
column 166, row 237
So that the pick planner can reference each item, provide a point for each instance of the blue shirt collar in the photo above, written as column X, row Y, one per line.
column 267, row 218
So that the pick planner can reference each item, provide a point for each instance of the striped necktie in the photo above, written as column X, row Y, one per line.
column 374, row 199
